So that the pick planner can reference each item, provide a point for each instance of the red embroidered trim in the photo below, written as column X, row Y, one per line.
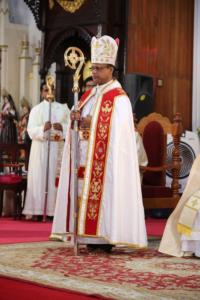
column 84, row 98
column 99, row 161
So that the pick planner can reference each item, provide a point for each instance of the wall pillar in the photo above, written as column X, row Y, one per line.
column 35, row 80
column 25, row 63
column 3, row 45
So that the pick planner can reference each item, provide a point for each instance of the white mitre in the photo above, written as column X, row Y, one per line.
column 104, row 50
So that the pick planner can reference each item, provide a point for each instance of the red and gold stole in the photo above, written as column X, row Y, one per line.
column 96, row 182
column 85, row 97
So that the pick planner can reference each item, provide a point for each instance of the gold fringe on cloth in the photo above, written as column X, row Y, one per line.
column 59, row 157
column 61, row 237
column 188, row 214
column 184, row 229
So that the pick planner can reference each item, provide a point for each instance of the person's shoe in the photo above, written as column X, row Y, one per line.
column 39, row 218
column 49, row 218
column 188, row 254
column 107, row 248
column 100, row 248
column 92, row 247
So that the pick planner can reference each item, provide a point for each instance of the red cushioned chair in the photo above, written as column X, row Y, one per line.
column 154, row 129
column 12, row 175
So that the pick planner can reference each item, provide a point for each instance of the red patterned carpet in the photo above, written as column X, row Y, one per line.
column 123, row 274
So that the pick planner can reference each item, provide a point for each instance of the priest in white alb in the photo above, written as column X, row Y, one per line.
column 38, row 128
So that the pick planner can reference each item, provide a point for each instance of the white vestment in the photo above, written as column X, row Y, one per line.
column 142, row 155
column 36, row 186
column 121, row 216
column 173, row 242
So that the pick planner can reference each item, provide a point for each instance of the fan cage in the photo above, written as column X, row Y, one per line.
column 187, row 155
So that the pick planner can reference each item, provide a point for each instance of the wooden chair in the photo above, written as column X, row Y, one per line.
column 13, row 174
column 154, row 129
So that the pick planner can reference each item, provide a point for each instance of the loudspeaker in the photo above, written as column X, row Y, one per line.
column 139, row 88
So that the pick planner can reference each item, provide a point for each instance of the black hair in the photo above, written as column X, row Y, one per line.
column 41, row 85
column 88, row 79
column 114, row 71
column 12, row 104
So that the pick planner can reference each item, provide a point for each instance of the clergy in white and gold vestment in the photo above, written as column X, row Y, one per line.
column 109, row 190
column 182, row 232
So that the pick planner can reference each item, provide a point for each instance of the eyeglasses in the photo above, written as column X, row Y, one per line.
column 98, row 68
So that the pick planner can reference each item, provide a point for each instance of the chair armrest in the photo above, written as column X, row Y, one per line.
column 157, row 169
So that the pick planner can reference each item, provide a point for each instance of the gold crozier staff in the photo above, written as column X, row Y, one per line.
column 74, row 58
column 50, row 96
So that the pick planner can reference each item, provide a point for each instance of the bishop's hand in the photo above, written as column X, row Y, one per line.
column 75, row 115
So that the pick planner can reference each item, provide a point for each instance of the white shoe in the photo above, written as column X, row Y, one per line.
column 28, row 217
column 188, row 253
